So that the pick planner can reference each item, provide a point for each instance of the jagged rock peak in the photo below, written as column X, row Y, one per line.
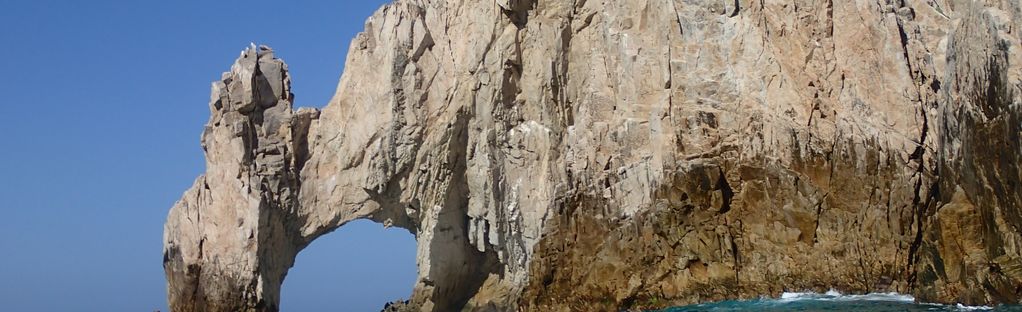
column 229, row 241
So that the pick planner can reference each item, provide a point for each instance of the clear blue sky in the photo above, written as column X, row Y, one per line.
column 102, row 106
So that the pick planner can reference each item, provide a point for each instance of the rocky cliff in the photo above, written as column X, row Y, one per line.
column 574, row 155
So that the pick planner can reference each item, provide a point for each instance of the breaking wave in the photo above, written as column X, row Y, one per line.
column 833, row 295
column 835, row 301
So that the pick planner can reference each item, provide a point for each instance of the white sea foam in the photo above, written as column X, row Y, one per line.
column 836, row 296
column 962, row 307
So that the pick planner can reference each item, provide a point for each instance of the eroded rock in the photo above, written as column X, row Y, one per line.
column 585, row 155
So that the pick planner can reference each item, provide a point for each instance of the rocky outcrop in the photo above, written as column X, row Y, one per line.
column 585, row 155
column 230, row 240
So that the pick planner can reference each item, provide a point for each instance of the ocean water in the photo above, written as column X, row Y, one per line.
column 834, row 301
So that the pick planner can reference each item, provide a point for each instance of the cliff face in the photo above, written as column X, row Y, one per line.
column 596, row 155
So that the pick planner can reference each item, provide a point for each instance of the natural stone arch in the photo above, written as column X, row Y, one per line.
column 231, row 239
column 361, row 266
column 535, row 142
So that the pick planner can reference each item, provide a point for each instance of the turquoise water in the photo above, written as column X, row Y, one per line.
column 834, row 301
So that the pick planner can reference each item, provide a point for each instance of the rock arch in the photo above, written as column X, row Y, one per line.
column 605, row 155
column 359, row 267
column 231, row 239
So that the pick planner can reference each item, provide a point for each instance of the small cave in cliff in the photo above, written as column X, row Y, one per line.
column 359, row 267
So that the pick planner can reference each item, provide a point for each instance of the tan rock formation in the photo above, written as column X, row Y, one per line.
column 598, row 155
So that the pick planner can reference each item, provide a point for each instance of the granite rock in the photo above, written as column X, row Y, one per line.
column 605, row 155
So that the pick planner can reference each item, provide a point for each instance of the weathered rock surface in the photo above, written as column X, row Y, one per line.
column 570, row 155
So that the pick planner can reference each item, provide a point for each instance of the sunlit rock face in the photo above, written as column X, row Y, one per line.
column 605, row 155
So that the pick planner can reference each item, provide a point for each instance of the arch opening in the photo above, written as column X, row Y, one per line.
column 359, row 267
